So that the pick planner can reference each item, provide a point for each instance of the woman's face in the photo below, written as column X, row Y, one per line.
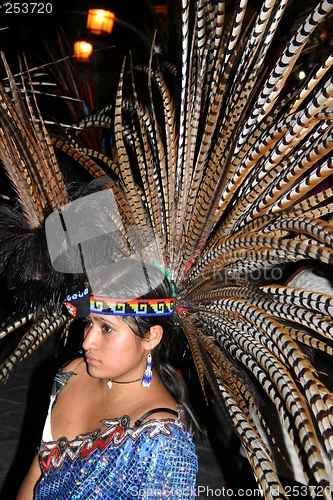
column 112, row 350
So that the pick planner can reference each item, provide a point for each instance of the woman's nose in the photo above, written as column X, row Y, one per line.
column 90, row 338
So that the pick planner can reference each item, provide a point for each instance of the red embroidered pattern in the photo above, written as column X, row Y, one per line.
column 55, row 453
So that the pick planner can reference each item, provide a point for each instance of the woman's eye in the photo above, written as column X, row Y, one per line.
column 107, row 328
column 87, row 323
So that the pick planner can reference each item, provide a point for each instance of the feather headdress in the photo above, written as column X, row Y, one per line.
column 228, row 188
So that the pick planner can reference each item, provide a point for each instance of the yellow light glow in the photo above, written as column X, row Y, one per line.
column 100, row 22
column 82, row 51
column 301, row 75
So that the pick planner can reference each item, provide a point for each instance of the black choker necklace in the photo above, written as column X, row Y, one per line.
column 110, row 382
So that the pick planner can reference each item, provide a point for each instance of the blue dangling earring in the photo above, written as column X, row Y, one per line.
column 147, row 376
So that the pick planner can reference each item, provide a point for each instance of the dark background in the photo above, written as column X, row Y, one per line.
column 32, row 35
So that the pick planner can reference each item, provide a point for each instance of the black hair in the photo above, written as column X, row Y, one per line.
column 129, row 279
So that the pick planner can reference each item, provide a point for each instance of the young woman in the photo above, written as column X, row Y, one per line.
column 116, row 427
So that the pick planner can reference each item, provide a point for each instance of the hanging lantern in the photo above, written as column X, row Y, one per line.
column 100, row 22
column 82, row 51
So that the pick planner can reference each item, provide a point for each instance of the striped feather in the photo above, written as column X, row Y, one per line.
column 224, row 184
column 33, row 338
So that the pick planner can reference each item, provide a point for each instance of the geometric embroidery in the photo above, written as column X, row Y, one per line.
column 116, row 431
column 136, row 307
column 81, row 304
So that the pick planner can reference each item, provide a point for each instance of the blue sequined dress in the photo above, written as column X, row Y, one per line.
column 154, row 460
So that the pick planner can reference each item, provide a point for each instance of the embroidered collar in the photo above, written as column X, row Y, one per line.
column 116, row 432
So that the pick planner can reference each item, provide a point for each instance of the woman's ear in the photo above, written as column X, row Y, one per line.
column 153, row 337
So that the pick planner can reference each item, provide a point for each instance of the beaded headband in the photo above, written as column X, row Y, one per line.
column 138, row 307
column 81, row 304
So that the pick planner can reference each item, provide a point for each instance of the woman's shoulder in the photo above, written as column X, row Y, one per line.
column 71, row 365
column 160, row 413
column 65, row 373
column 158, row 406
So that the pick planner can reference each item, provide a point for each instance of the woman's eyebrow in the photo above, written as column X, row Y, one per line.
column 98, row 318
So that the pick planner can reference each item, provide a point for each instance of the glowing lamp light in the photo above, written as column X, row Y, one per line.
column 100, row 22
column 301, row 75
column 82, row 51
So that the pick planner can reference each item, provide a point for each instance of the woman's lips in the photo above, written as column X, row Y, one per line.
column 91, row 361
